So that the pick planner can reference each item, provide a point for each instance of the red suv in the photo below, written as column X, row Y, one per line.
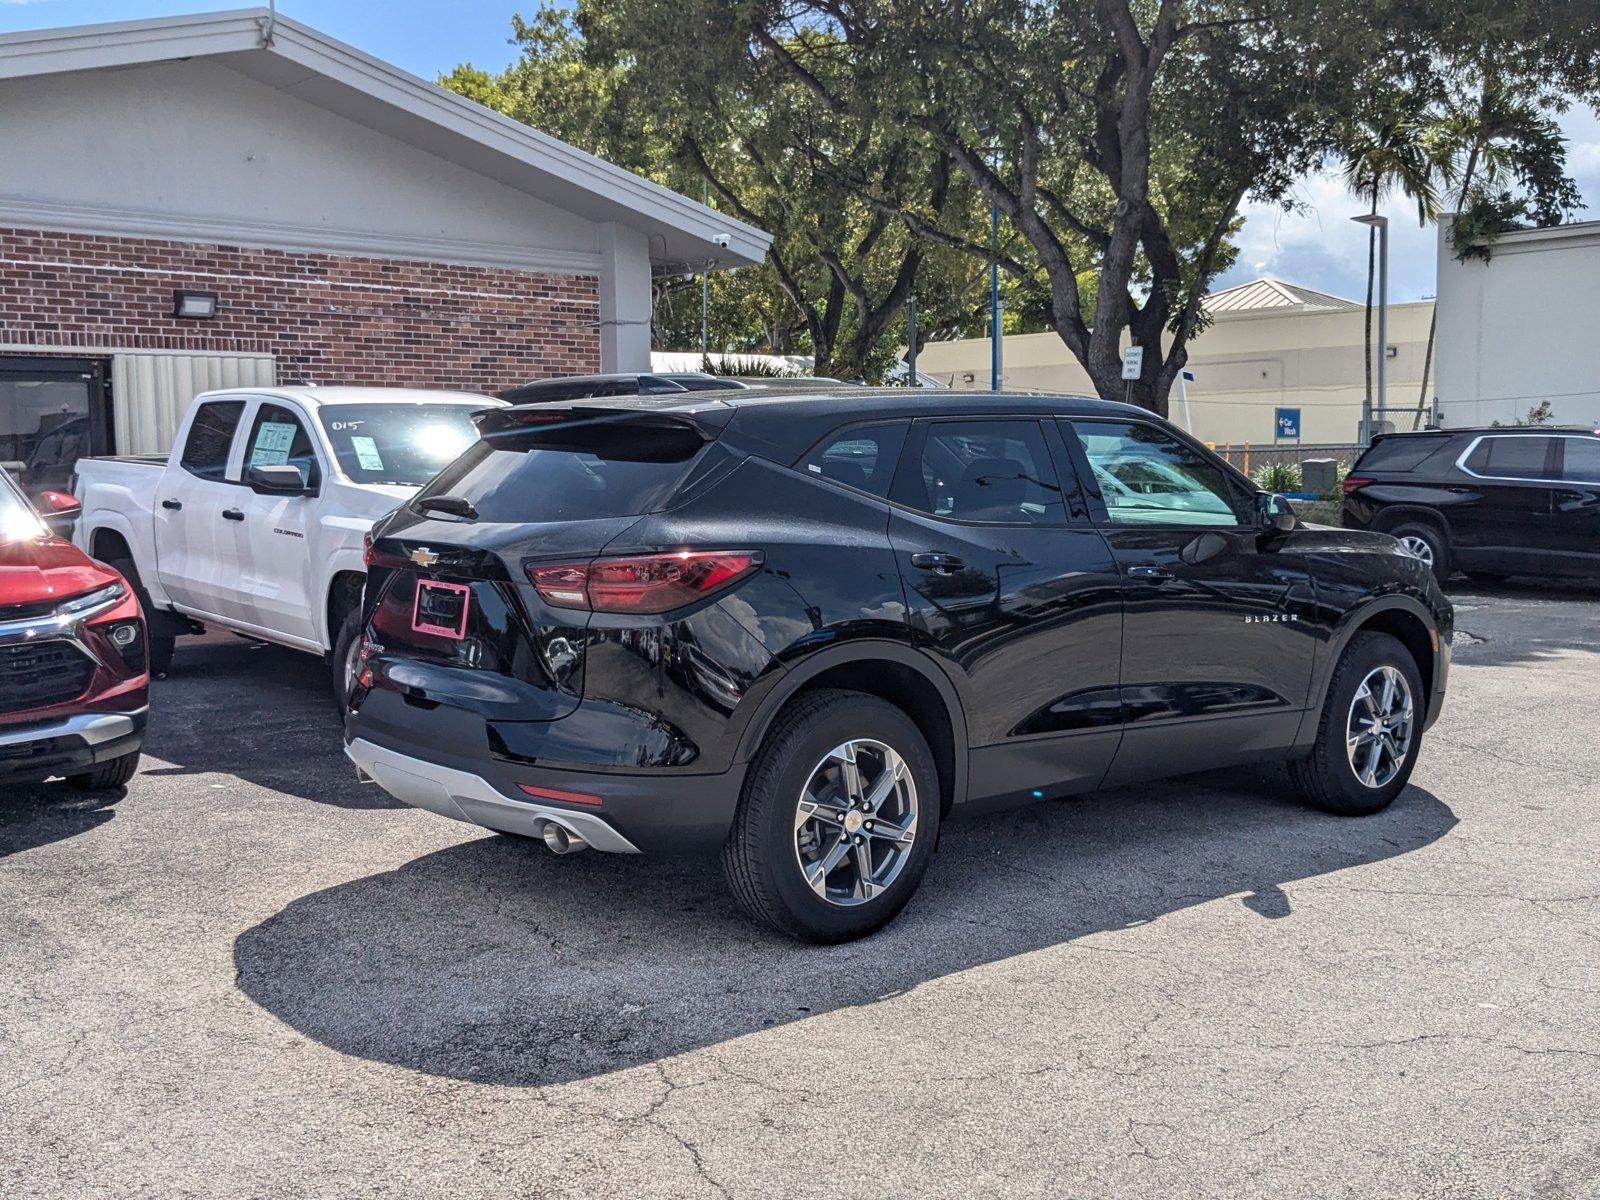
column 74, row 673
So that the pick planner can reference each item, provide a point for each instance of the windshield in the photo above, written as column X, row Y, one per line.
column 17, row 518
column 401, row 444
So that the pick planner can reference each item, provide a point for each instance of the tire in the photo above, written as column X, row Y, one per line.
column 1430, row 544
column 161, row 646
column 113, row 774
column 762, row 856
column 1328, row 778
column 345, row 647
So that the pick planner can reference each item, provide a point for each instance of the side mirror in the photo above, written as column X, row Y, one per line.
column 60, row 511
column 1275, row 514
column 279, row 479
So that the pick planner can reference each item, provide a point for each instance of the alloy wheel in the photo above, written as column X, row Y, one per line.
column 855, row 822
column 1419, row 547
column 1378, row 734
column 352, row 668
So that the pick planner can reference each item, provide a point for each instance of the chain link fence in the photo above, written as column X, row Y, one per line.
column 1251, row 458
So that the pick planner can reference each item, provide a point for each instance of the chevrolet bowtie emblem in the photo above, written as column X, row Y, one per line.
column 424, row 557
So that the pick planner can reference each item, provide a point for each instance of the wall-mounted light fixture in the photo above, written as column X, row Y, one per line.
column 194, row 306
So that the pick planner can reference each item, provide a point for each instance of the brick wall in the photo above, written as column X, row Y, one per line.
column 329, row 319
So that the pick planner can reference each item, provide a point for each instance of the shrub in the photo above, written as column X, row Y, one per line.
column 1278, row 477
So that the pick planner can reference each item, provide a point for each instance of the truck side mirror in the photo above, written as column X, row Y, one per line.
column 279, row 479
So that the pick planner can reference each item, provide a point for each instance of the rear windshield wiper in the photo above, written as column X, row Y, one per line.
column 455, row 506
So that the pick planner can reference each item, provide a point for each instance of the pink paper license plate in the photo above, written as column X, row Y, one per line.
column 441, row 608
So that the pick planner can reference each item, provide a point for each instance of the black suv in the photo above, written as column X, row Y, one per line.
column 1490, row 502
column 801, row 629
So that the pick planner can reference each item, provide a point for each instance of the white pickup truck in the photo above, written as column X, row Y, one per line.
column 255, row 521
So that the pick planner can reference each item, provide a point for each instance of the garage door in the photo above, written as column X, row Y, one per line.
column 150, row 392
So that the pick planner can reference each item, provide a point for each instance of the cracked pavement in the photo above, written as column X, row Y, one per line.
column 252, row 976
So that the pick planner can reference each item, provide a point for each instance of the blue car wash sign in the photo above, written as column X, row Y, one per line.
column 1288, row 423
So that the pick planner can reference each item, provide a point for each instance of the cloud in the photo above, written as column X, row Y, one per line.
column 1319, row 246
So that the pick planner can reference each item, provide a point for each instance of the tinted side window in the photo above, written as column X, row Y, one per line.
column 205, row 453
column 1512, row 457
column 278, row 438
column 1146, row 476
column 1582, row 461
column 863, row 457
column 990, row 471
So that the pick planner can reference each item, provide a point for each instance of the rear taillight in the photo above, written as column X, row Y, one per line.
column 373, row 556
column 1352, row 484
column 647, row 583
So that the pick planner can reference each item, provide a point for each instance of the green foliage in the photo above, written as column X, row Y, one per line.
column 1277, row 477
column 1117, row 138
column 680, row 109
column 750, row 368
column 1542, row 413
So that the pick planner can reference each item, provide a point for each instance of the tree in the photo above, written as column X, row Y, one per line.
column 778, row 158
column 1380, row 158
column 1118, row 137
column 839, row 272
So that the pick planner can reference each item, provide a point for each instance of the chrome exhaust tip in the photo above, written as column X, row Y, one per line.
column 562, row 840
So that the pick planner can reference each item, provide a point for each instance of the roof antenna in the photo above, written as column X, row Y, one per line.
column 268, row 23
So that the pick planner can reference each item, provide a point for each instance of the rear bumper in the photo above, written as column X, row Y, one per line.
column 68, row 745
column 637, row 813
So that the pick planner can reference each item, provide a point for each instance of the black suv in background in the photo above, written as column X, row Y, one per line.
column 801, row 629
column 1489, row 502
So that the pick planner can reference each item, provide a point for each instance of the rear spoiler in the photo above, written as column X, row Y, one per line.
column 623, row 430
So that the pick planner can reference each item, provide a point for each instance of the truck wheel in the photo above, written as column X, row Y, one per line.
column 838, row 820
column 1370, row 731
column 1428, row 543
column 111, row 774
column 162, row 646
column 346, row 659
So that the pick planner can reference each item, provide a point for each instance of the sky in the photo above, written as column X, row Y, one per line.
column 1317, row 245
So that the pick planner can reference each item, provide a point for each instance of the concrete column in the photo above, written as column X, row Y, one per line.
column 624, row 298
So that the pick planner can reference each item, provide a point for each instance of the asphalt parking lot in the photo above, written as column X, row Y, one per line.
column 252, row 976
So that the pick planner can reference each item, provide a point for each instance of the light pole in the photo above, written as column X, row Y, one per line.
column 994, row 297
column 1381, row 224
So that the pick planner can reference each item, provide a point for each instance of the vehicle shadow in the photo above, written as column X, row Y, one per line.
column 37, row 814
column 496, row 962
column 261, row 713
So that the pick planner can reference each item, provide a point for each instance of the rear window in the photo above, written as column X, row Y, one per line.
column 570, row 475
column 1398, row 454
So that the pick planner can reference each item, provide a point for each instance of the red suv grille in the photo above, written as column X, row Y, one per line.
column 42, row 674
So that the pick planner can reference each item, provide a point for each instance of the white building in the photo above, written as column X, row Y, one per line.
column 1522, row 328
column 1270, row 346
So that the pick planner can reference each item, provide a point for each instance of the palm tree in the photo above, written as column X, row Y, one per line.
column 1381, row 158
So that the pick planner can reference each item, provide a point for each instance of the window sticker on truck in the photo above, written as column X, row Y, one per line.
column 367, row 455
column 273, row 439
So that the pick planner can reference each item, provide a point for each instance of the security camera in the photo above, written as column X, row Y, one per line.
column 722, row 240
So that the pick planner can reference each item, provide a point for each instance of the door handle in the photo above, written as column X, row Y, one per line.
column 232, row 514
column 939, row 564
column 174, row 505
column 1150, row 573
